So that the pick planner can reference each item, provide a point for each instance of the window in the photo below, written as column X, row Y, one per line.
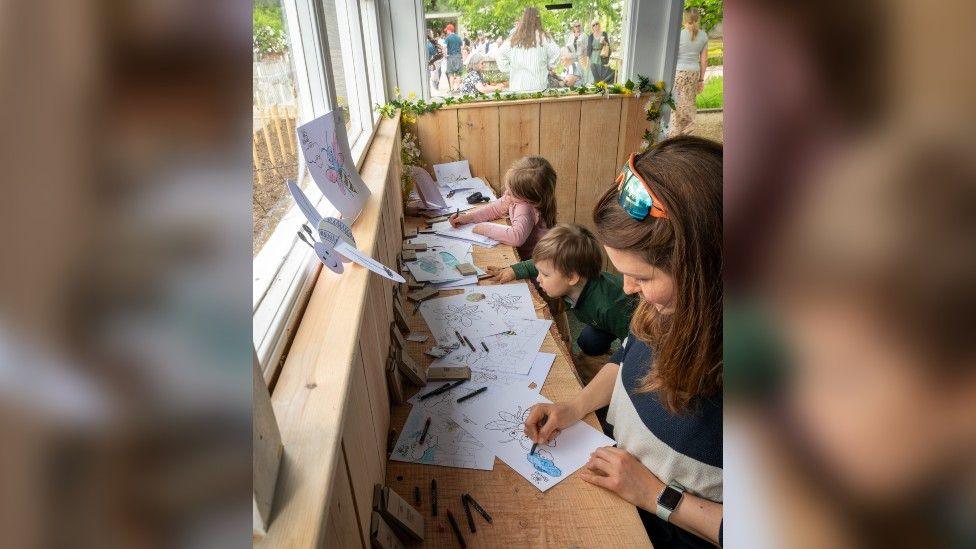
column 485, row 30
column 310, row 57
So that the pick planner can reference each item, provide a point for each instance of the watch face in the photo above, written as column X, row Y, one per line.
column 669, row 498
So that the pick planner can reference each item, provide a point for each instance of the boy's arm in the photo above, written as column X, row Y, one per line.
column 525, row 269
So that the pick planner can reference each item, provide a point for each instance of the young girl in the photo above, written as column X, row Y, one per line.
column 529, row 201
column 661, row 226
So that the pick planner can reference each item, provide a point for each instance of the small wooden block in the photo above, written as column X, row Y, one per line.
column 381, row 535
column 408, row 255
column 409, row 233
column 410, row 369
column 415, row 246
column 414, row 285
column 400, row 515
column 428, row 230
column 400, row 316
column 448, row 373
column 421, row 295
column 394, row 381
column 438, row 219
column 467, row 269
column 397, row 336
column 417, row 337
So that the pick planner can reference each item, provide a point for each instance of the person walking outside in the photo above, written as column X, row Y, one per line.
column 598, row 51
column 453, row 43
column 689, row 78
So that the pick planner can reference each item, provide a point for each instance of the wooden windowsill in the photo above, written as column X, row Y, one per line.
column 313, row 388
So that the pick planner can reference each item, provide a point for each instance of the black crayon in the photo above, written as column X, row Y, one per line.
column 424, row 434
column 433, row 496
column 467, row 511
column 456, row 528
column 478, row 507
column 473, row 394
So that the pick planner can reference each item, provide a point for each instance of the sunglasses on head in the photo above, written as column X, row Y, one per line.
column 635, row 195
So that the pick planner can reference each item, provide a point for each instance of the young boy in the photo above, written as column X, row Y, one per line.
column 566, row 263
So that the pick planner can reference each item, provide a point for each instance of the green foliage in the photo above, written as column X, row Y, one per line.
column 711, row 12
column 269, row 32
column 715, row 61
column 497, row 18
column 711, row 96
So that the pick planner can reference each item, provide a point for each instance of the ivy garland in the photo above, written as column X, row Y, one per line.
column 410, row 107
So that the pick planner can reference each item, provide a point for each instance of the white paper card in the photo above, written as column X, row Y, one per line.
column 427, row 190
column 503, row 353
column 446, row 443
column 465, row 232
column 450, row 172
column 478, row 312
column 497, row 418
column 432, row 267
column 326, row 151
column 304, row 204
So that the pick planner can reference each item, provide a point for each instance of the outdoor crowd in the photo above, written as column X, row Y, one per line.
column 532, row 58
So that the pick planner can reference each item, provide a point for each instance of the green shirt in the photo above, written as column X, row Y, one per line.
column 602, row 303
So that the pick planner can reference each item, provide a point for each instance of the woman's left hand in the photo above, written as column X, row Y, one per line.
column 620, row 472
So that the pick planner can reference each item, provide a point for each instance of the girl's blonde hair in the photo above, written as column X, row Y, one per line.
column 530, row 32
column 692, row 22
column 532, row 179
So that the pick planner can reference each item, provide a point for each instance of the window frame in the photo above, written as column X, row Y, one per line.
column 285, row 269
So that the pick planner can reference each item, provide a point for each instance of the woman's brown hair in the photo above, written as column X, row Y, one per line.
column 685, row 173
column 531, row 178
column 530, row 32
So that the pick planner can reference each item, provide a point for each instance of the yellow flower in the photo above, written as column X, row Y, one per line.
column 660, row 85
column 625, row 91
column 396, row 91
column 411, row 95
column 601, row 85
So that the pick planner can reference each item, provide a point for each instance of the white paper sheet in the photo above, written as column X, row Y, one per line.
column 305, row 205
column 446, row 443
column 479, row 311
column 428, row 191
column 326, row 152
column 497, row 418
column 364, row 260
column 506, row 353
column 450, row 172
column 463, row 232
column 533, row 381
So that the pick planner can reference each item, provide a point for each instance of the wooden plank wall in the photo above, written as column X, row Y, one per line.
column 586, row 139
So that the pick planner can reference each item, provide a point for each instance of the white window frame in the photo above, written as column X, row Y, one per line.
column 285, row 269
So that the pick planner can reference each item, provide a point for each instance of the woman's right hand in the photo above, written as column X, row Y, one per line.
column 500, row 275
column 545, row 421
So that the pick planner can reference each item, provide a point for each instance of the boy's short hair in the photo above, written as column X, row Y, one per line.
column 572, row 249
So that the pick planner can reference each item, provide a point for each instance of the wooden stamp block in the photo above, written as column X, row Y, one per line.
column 448, row 373
column 467, row 269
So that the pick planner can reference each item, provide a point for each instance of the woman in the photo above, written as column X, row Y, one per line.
column 661, row 226
column 473, row 82
column 529, row 55
column 598, row 52
column 689, row 78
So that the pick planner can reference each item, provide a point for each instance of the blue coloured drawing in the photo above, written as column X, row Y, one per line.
column 542, row 462
column 449, row 259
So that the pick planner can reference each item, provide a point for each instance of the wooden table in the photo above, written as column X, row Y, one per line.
column 573, row 513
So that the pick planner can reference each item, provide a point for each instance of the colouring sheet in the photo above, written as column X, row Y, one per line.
column 533, row 381
column 478, row 312
column 510, row 350
column 434, row 266
column 450, row 172
column 445, row 444
column 497, row 418
column 463, row 232
column 326, row 153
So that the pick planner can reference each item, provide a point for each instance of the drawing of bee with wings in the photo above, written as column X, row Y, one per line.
column 512, row 424
column 461, row 315
column 502, row 303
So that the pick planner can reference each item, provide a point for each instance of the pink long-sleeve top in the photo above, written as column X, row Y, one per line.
column 527, row 226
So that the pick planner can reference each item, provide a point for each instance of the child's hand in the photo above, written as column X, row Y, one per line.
column 500, row 275
column 545, row 421
column 456, row 220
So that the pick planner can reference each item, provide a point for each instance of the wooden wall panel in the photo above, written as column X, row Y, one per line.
column 374, row 343
column 438, row 135
column 633, row 122
column 518, row 134
column 342, row 527
column 600, row 126
column 478, row 138
column 559, row 143
column 360, row 448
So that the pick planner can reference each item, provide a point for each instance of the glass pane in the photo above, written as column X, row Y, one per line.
column 276, row 111
column 347, row 67
column 372, row 44
column 485, row 31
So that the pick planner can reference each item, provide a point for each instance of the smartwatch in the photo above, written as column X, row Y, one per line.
column 669, row 499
